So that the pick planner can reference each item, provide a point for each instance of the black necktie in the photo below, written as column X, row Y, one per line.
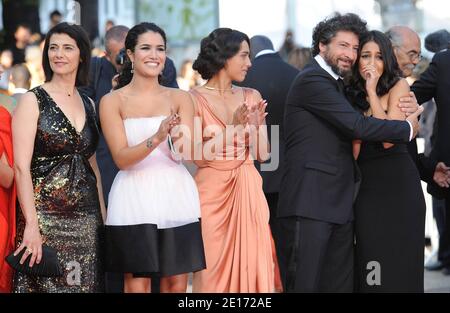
column 341, row 86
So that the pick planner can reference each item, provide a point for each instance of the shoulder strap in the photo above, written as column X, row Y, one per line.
column 91, row 114
column 195, row 95
column 247, row 93
column 40, row 96
column 88, row 104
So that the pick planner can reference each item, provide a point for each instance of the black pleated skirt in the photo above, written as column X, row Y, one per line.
column 145, row 250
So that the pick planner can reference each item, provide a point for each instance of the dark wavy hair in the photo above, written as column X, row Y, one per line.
column 391, row 74
column 328, row 28
column 81, row 38
column 130, row 43
column 215, row 49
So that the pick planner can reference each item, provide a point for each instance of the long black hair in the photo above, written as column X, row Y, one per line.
column 215, row 49
column 390, row 76
column 130, row 43
column 81, row 38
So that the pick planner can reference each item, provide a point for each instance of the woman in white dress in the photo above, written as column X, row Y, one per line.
column 152, row 223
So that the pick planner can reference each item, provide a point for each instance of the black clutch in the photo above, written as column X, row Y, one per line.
column 48, row 267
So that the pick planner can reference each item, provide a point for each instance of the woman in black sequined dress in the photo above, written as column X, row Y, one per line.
column 55, row 137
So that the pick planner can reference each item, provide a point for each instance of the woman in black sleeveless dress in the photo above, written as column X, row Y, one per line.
column 390, row 207
column 55, row 138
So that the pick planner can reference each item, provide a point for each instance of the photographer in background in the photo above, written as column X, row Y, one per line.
column 102, row 73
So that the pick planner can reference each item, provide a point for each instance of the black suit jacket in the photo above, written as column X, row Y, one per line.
column 101, row 73
column 435, row 83
column 272, row 77
column 321, row 177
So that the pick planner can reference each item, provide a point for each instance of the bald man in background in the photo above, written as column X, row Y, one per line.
column 406, row 44
column 20, row 77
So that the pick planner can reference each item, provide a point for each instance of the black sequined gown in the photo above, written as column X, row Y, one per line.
column 66, row 200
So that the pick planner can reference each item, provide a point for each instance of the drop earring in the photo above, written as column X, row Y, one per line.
column 132, row 67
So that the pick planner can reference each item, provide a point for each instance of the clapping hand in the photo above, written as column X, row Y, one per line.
column 257, row 113
column 442, row 175
column 167, row 124
column 240, row 116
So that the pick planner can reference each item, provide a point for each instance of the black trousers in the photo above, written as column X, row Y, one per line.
column 272, row 201
column 439, row 214
column 317, row 256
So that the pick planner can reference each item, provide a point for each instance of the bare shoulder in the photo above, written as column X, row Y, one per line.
column 27, row 103
column 113, row 98
column 253, row 93
column 401, row 86
column 399, row 90
column 112, row 102
column 178, row 96
column 27, row 98
column 177, row 93
column 113, row 95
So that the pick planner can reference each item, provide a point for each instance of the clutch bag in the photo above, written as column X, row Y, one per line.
column 48, row 267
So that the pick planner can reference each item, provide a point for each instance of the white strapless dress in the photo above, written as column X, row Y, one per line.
column 158, row 190
column 153, row 211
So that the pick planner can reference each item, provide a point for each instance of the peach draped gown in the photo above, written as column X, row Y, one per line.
column 234, row 217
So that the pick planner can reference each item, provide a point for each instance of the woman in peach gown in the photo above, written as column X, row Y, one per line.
column 235, row 214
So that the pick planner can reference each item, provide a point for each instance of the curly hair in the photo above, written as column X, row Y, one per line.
column 215, row 49
column 130, row 43
column 391, row 73
column 328, row 28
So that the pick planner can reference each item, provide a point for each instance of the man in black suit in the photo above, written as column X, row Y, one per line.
column 272, row 77
column 320, row 180
column 406, row 44
column 101, row 73
column 435, row 83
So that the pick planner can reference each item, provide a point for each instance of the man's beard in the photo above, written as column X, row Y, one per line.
column 408, row 69
column 328, row 57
